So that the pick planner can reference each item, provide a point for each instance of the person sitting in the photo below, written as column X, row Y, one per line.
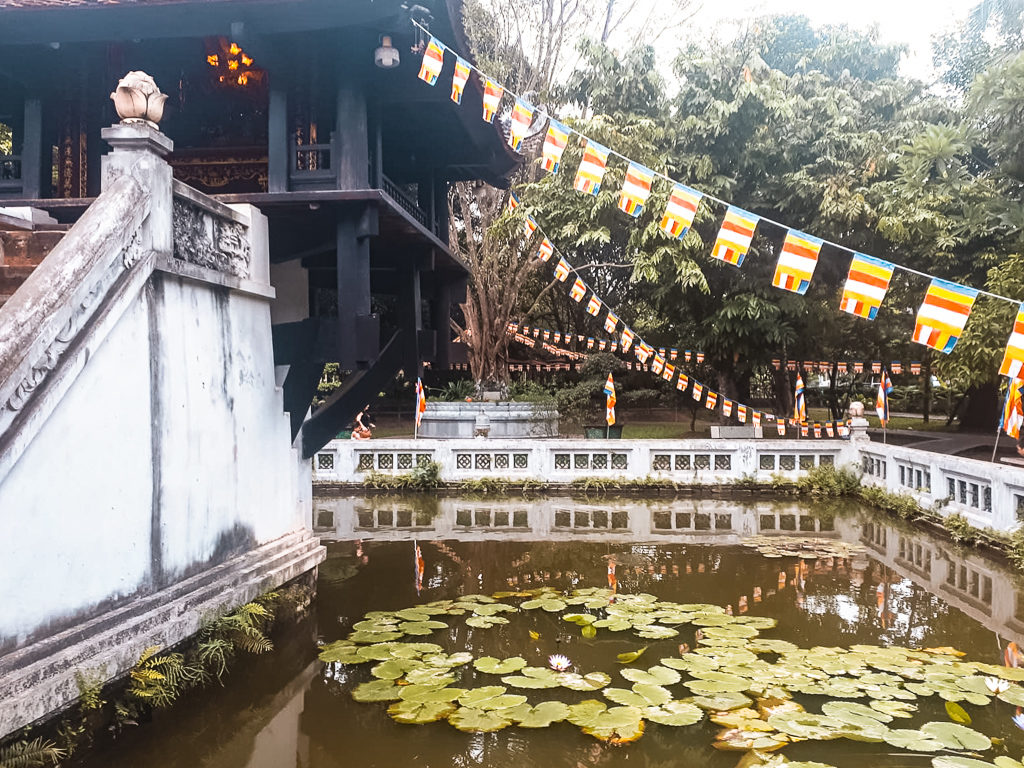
column 361, row 430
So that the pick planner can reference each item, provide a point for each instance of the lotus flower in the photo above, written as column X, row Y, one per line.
column 1018, row 719
column 996, row 684
column 558, row 662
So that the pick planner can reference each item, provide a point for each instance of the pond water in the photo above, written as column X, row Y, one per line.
column 874, row 582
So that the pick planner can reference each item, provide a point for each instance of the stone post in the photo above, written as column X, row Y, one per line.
column 858, row 424
column 139, row 149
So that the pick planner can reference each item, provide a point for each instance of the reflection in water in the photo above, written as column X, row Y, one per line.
column 901, row 586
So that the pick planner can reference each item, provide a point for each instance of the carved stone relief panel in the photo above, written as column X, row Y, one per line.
column 207, row 240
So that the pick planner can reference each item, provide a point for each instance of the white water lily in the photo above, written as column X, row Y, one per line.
column 558, row 662
column 996, row 684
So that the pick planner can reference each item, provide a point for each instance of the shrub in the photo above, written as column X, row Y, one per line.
column 959, row 529
column 828, row 480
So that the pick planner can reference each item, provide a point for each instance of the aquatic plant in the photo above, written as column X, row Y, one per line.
column 30, row 754
column 558, row 662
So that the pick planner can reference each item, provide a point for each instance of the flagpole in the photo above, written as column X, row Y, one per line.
column 995, row 448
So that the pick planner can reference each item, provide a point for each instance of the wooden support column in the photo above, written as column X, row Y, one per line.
column 32, row 150
column 277, row 139
column 358, row 329
column 441, row 320
column 410, row 315
column 351, row 152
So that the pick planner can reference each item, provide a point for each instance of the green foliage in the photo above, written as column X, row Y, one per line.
column 424, row 477
column 900, row 504
column 30, row 754
column 158, row 680
column 959, row 529
column 525, row 391
column 6, row 143
column 829, row 480
column 455, row 391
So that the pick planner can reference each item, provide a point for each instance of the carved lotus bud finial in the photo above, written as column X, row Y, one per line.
column 856, row 409
column 138, row 99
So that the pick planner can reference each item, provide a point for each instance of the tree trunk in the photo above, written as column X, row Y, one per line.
column 926, row 388
column 981, row 409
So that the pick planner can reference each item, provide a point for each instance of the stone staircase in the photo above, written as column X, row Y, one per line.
column 23, row 246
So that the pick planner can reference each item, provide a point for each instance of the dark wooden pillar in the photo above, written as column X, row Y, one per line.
column 277, row 140
column 351, row 155
column 32, row 150
column 442, row 313
column 358, row 329
column 410, row 314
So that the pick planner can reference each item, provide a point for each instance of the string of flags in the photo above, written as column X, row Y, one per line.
column 940, row 319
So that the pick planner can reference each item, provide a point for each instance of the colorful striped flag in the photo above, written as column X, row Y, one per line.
column 562, row 270
column 830, row 429
column 755, row 418
column 492, row 99
column 858, row 367
column 592, row 167
column 546, row 249
column 700, row 357
column 421, row 401
column 780, row 427
column 1013, row 360
column 547, row 335
column 612, row 346
column 735, row 235
column 842, row 367
column 669, row 373
column 593, row 306
column 876, row 366
column 627, row 339
column 915, row 369
column 817, row 430
column 712, row 400
column 609, row 403
column 727, row 408
column 522, row 116
column 866, row 286
column 636, row 188
column 590, row 342
column 687, row 355
column 433, row 61
column 578, row 290
column 529, row 227
column 896, row 367
column 741, row 413
column 558, row 336
column 601, row 345
column 698, row 391
column 882, row 399
column 679, row 213
column 797, row 260
column 673, row 353
column 799, row 404
column 554, row 145
column 611, row 322
column 643, row 351
column 658, row 365
column 513, row 201
column 683, row 382
column 943, row 315
column 1013, row 409
column 803, row 430
column 459, row 79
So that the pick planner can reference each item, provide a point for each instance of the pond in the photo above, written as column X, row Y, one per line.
column 706, row 572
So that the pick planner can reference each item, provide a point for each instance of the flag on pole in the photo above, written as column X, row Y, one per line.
column 459, row 79
column 712, row 400
column 1013, row 409
column 797, row 260
column 799, row 404
column 522, row 116
column 554, row 145
column 669, row 373
column 611, row 322
column 546, row 249
column 882, row 400
column 679, row 213
column 562, row 270
column 578, row 290
column 594, row 305
column 735, row 235
column 943, row 315
column 433, row 61
column 592, row 167
column 683, row 382
column 609, row 403
column 421, row 401
column 866, row 286
column 492, row 99
column 636, row 188
column 627, row 339
column 1013, row 360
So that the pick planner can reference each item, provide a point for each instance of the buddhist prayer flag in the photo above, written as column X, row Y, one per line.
column 546, row 249
column 683, row 382
column 755, row 418
column 459, row 79
column 529, row 227
column 1013, row 360
column 799, row 404
column 669, row 373
column 727, row 408
column 609, row 391
column 915, row 369
column 797, row 260
column 593, row 306
column 433, row 61
column 712, row 401
column 1013, row 409
column 627, row 339
column 679, row 213
column 562, row 270
column 866, row 286
column 735, row 235
column 611, row 322
column 943, row 315
column 817, row 430
column 421, row 401
column 578, row 290
column 876, row 366
column 830, row 430
column 592, row 167
column 673, row 353
column 896, row 366
column 636, row 188
column 513, row 201
column 843, row 430
column 613, row 346
column 522, row 116
column 698, row 391
column 777, row 363
column 700, row 357
column 643, row 351
column 741, row 413
column 842, row 367
column 687, row 354
column 554, row 145
column 780, row 426
column 659, row 364
column 492, row 98
column 601, row 345
column 882, row 399
column 547, row 335
column 803, row 430
column 590, row 342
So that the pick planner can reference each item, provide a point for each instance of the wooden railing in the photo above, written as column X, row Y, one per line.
column 405, row 200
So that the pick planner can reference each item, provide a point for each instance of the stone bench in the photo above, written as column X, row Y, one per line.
column 718, row 432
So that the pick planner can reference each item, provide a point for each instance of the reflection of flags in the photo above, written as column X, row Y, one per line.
column 545, row 250
column 797, row 260
column 882, row 400
column 578, row 290
column 562, row 270
column 735, row 235
column 433, row 60
column 591, row 170
column 943, row 315
column 799, row 405
column 679, row 213
column 554, row 145
column 866, row 286
column 1013, row 360
column 1013, row 409
column 421, row 401
column 636, row 188
column 492, row 98
column 419, row 566
column 593, row 306
column 609, row 406
column 522, row 116
column 611, row 322
column 459, row 79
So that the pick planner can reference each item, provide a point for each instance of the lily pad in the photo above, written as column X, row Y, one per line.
column 493, row 666
column 417, row 713
column 485, row 622
column 722, row 702
column 474, row 697
column 674, row 713
column 854, row 713
column 656, row 675
column 806, row 725
column 429, row 693
column 376, row 690
column 955, row 736
column 954, row 761
column 394, row 669
column 343, row 652
column 630, row 656
column 524, row 681
column 427, row 676
column 592, row 681
column 543, row 714
column 912, row 740
column 473, row 720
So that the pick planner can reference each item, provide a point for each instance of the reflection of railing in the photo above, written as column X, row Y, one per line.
column 405, row 200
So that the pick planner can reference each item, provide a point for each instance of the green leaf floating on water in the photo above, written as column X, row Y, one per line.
column 542, row 715
column 630, row 656
column 913, row 740
column 955, row 736
column 367, row 637
column 592, row 681
column 341, row 651
column 473, row 697
column 583, row 619
column 722, row 702
column 674, row 713
column 656, row 675
column 549, row 604
column 418, row 713
column 478, row 720
column 806, row 725
column 854, row 713
column 395, row 668
column 957, row 713
column 376, row 690
column 954, row 761
column 493, row 666
column 429, row 693
column 485, row 622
